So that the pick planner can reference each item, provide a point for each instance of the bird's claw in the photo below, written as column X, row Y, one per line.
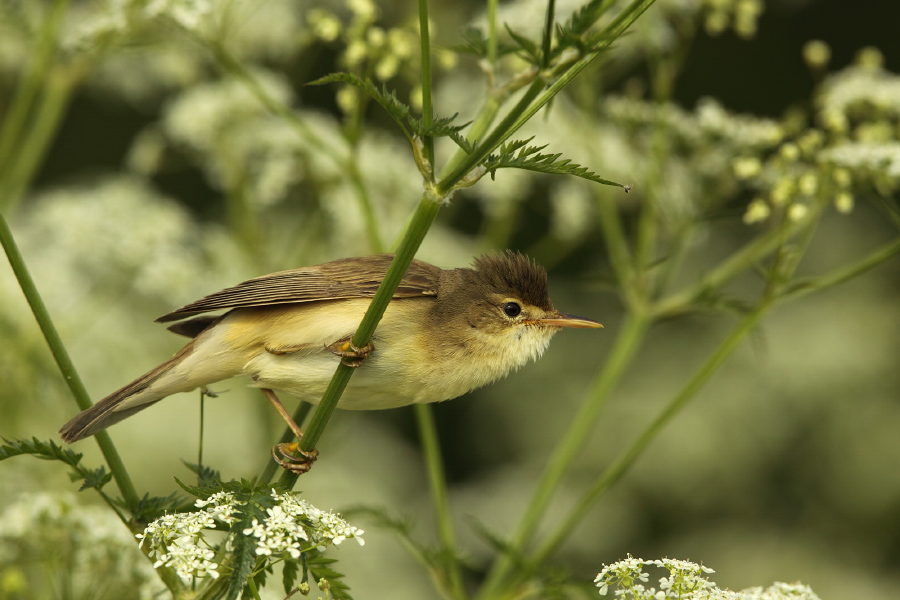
column 298, row 465
column 350, row 354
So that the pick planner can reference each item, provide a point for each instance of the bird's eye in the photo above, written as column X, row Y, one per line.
column 511, row 309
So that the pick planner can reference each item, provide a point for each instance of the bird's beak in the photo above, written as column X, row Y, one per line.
column 566, row 320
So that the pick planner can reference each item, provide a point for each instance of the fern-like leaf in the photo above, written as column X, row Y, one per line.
column 388, row 100
column 518, row 155
column 528, row 49
column 475, row 43
column 320, row 568
column 50, row 450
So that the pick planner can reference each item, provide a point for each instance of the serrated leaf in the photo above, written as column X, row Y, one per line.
column 242, row 557
column 289, row 575
column 475, row 43
column 440, row 127
column 95, row 479
column 152, row 507
column 206, row 476
column 585, row 17
column 319, row 569
column 529, row 48
column 517, row 155
column 388, row 100
column 463, row 142
column 49, row 450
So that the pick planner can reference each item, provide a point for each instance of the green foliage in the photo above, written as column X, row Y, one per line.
column 50, row 450
column 518, row 155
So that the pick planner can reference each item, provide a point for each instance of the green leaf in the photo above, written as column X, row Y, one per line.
column 388, row 100
column 475, row 43
column 206, row 476
column 585, row 17
column 50, row 450
column 243, row 555
column 289, row 575
column 319, row 568
column 518, row 155
column 152, row 507
column 528, row 49
column 45, row 450
column 93, row 479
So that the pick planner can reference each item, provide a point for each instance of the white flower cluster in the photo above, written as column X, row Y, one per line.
column 293, row 521
column 686, row 581
column 176, row 540
column 291, row 527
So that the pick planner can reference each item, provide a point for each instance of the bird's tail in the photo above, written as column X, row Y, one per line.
column 148, row 389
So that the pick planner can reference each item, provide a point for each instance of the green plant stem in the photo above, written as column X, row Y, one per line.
column 33, row 145
column 425, row 213
column 427, row 106
column 452, row 577
column 346, row 164
column 737, row 263
column 30, row 83
column 547, row 39
column 63, row 361
column 616, row 244
column 839, row 276
column 615, row 471
column 492, row 36
column 627, row 342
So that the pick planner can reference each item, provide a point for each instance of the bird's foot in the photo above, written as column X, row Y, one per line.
column 298, row 465
column 350, row 354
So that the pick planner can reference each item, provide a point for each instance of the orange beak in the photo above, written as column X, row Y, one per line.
column 566, row 320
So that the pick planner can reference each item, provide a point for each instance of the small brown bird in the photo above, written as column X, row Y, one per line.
column 445, row 332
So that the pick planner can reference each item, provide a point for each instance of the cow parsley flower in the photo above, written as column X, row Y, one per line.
column 291, row 526
column 686, row 581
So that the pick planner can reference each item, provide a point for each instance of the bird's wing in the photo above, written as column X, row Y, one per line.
column 345, row 278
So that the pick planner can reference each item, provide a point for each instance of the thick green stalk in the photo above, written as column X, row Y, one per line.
column 624, row 462
column 412, row 239
column 452, row 577
column 583, row 424
column 63, row 361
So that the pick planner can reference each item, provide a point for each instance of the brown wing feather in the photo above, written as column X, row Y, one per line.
column 346, row 278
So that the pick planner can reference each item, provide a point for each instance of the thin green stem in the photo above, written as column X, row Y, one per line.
column 200, row 433
column 427, row 106
column 615, row 471
column 18, row 173
column 745, row 258
column 583, row 424
column 616, row 244
column 839, row 276
column 30, row 83
column 547, row 39
column 492, row 36
column 452, row 576
column 344, row 163
column 63, row 361
column 426, row 211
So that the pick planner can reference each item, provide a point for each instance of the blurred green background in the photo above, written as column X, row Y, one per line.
column 163, row 184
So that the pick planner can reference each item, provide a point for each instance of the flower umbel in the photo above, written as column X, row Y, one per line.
column 290, row 527
column 686, row 580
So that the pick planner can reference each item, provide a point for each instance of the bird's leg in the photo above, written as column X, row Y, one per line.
column 295, row 464
column 350, row 354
